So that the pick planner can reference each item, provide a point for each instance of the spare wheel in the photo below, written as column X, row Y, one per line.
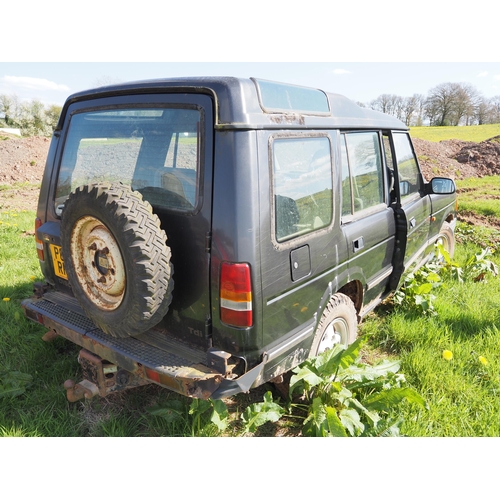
column 116, row 258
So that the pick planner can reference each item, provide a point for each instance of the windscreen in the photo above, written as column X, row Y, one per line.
column 154, row 150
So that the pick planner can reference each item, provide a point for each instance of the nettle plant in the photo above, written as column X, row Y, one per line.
column 343, row 396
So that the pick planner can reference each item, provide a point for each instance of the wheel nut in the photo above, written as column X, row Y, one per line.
column 102, row 279
column 93, row 246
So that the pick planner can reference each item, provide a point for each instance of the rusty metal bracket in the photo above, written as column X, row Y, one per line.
column 50, row 336
column 84, row 389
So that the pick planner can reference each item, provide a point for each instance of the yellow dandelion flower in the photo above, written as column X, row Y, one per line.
column 448, row 355
column 6, row 299
column 32, row 278
column 483, row 360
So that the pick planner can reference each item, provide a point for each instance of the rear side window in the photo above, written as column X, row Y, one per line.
column 155, row 151
column 302, row 185
column 362, row 172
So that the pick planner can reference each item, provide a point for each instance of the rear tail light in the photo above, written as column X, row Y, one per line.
column 39, row 242
column 236, row 294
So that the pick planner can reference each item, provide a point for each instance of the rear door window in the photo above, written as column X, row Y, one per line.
column 154, row 150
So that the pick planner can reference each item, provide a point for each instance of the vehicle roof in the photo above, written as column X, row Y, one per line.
column 239, row 103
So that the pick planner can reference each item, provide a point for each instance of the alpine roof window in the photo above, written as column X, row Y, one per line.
column 280, row 97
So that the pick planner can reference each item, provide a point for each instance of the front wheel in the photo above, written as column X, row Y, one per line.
column 446, row 238
column 338, row 325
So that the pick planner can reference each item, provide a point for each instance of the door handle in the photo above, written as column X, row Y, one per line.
column 358, row 244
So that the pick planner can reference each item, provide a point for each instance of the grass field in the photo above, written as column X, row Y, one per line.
column 474, row 133
column 480, row 195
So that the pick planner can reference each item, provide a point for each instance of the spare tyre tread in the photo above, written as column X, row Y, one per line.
column 146, row 256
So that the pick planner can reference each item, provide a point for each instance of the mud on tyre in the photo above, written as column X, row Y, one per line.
column 116, row 258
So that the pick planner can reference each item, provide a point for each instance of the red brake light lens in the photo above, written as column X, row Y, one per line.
column 236, row 294
column 39, row 243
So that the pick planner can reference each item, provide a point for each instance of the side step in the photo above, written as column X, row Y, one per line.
column 153, row 357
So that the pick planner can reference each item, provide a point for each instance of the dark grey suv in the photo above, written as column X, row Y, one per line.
column 210, row 234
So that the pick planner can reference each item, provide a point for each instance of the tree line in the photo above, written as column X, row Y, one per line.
column 446, row 104
column 31, row 117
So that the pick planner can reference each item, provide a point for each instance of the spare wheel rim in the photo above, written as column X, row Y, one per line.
column 98, row 263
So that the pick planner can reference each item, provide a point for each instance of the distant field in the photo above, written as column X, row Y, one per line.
column 474, row 133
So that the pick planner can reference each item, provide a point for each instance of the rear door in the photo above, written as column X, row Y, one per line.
column 301, row 240
column 161, row 146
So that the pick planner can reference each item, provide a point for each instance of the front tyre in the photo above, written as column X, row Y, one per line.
column 446, row 238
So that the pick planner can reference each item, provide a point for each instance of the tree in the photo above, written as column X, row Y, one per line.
column 483, row 112
column 32, row 119
column 9, row 105
column 467, row 101
column 386, row 103
column 52, row 115
column 494, row 109
column 440, row 104
column 411, row 106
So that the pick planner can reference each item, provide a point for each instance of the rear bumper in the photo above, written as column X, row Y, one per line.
column 154, row 356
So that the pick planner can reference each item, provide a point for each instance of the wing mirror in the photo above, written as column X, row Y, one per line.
column 441, row 185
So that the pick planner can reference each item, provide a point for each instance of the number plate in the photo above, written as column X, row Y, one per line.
column 58, row 261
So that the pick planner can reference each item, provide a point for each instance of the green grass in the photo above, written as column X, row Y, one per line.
column 480, row 195
column 42, row 409
column 474, row 133
column 463, row 394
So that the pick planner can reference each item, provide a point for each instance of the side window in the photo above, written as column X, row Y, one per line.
column 363, row 156
column 302, row 184
column 390, row 166
column 347, row 208
column 408, row 171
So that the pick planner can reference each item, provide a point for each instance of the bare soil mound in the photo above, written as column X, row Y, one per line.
column 458, row 159
column 22, row 160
